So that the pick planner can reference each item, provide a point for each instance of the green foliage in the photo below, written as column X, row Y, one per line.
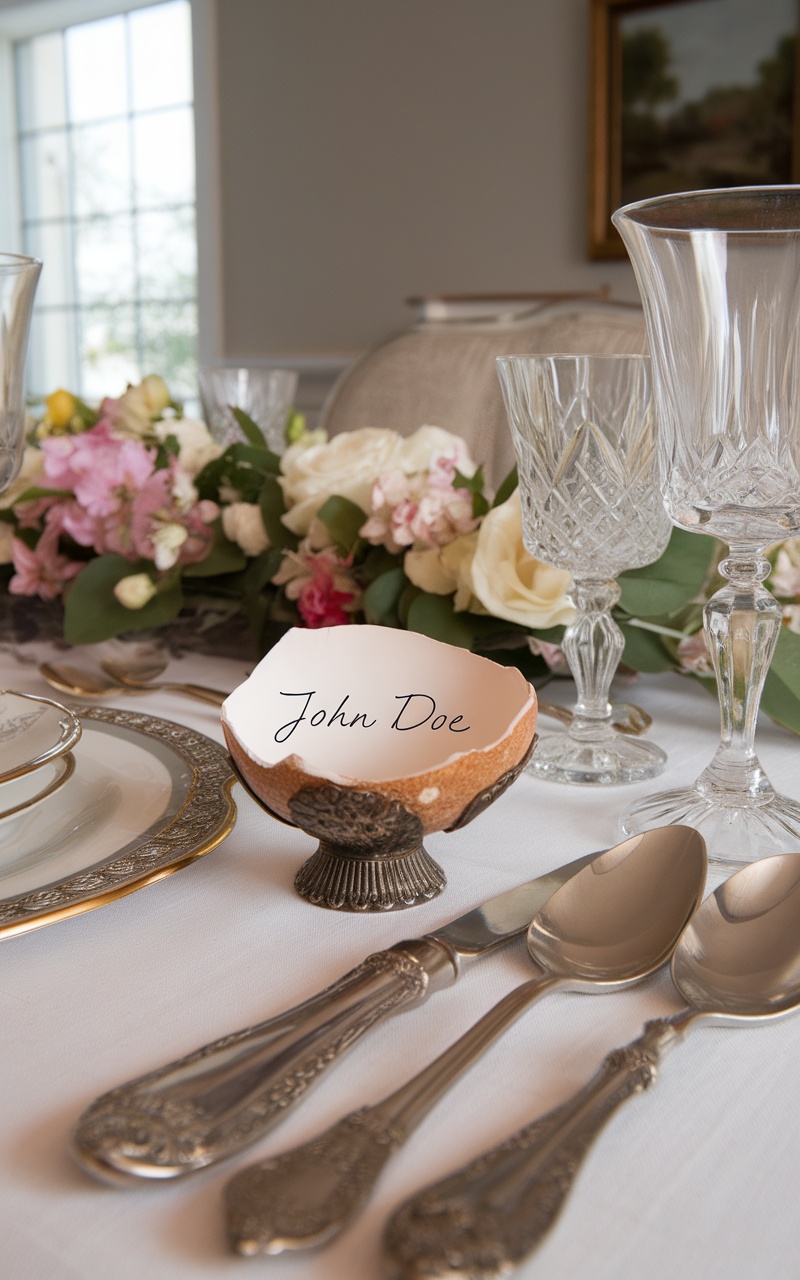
column 343, row 519
column 223, row 558
column 250, row 429
column 272, row 507
column 435, row 616
column 506, row 488
column 658, row 590
column 474, row 485
column 381, row 598
column 92, row 612
column 781, row 697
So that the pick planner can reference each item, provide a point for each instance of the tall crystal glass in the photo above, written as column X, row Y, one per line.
column 18, row 279
column 585, row 442
column 719, row 276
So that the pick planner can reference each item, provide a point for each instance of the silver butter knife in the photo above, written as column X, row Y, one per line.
column 226, row 1095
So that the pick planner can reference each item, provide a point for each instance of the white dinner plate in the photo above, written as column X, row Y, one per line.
column 133, row 811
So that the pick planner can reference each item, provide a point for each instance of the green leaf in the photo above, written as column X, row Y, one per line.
column 92, row 612
column 271, row 504
column 644, row 650
column 781, row 697
column 248, row 427
column 435, row 616
column 506, row 488
column 343, row 519
column 224, row 557
column 381, row 598
column 473, row 484
column 671, row 581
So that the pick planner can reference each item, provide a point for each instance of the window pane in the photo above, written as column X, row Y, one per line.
column 97, row 70
column 45, row 176
column 53, row 361
column 169, row 345
column 101, row 157
column 167, row 254
column 40, row 82
column 52, row 242
column 164, row 157
column 108, row 351
column 161, row 56
column 104, row 261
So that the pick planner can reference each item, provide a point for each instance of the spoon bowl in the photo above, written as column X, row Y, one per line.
column 610, row 925
column 117, row 680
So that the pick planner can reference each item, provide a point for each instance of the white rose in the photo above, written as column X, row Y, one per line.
column 243, row 524
column 444, row 570
column 196, row 444
column 508, row 581
column 135, row 591
column 421, row 450
column 348, row 465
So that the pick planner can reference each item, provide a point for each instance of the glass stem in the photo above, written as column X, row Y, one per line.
column 742, row 624
column 593, row 646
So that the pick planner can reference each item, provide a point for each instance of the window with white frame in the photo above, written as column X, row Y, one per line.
column 105, row 137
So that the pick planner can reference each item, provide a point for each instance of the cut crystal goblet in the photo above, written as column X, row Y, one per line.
column 584, row 437
column 719, row 276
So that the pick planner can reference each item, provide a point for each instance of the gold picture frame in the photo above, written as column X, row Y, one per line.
column 687, row 94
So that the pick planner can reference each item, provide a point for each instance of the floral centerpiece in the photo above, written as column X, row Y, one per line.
column 130, row 511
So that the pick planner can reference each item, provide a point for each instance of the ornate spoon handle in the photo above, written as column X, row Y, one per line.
column 484, row 1219
column 198, row 691
column 226, row 1095
column 306, row 1196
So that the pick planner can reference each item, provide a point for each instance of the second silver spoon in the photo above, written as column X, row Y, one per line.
column 611, row 925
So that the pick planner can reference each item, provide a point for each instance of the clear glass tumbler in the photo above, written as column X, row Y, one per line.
column 585, row 442
column 18, row 279
column 719, row 275
column 265, row 395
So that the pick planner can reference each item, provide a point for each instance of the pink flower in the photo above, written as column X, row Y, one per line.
column 321, row 585
column 420, row 510
column 103, row 472
column 693, row 655
column 42, row 571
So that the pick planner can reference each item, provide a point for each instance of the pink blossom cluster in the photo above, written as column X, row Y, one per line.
column 420, row 510
column 321, row 585
column 110, row 497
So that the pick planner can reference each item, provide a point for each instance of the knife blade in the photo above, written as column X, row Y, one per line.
column 226, row 1095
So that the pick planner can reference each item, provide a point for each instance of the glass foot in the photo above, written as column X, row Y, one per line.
column 735, row 834
column 561, row 758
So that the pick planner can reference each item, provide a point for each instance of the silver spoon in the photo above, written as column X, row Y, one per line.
column 737, row 964
column 611, row 925
column 85, row 684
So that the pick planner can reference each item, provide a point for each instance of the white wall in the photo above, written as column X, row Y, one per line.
column 373, row 149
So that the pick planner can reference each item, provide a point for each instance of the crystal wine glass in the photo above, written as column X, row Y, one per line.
column 719, row 275
column 585, row 442
column 18, row 279
column 265, row 395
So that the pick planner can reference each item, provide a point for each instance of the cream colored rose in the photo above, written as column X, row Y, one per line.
column 167, row 542
column 29, row 474
column 348, row 465
column 139, row 407
column 508, row 581
column 195, row 442
column 243, row 524
column 444, row 570
column 135, row 591
column 421, row 450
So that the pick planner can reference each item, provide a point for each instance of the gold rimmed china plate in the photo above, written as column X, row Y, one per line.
column 33, row 731
column 146, row 797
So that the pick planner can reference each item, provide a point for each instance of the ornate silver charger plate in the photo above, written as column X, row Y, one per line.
column 146, row 798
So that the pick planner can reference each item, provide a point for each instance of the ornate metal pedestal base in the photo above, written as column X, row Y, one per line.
column 375, row 860
column 334, row 878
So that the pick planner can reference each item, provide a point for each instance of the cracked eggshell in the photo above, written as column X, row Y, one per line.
column 381, row 710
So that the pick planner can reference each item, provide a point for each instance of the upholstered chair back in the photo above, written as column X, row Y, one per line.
column 443, row 374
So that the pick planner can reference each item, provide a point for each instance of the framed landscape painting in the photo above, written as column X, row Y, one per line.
column 689, row 94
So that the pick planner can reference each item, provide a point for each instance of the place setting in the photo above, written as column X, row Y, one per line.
column 406, row 619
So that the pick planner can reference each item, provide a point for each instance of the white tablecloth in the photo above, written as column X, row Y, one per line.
column 699, row 1177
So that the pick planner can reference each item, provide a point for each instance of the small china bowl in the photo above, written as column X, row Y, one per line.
column 369, row 738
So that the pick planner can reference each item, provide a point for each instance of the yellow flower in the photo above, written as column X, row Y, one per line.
column 61, row 408
column 135, row 591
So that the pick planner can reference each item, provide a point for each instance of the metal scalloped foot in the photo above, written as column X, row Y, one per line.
column 336, row 879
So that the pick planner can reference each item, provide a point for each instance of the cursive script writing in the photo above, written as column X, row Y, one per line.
column 417, row 711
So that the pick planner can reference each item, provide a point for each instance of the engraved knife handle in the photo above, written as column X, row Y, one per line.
column 226, row 1095
column 486, row 1218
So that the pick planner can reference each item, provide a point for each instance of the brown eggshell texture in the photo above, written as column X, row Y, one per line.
column 382, row 710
